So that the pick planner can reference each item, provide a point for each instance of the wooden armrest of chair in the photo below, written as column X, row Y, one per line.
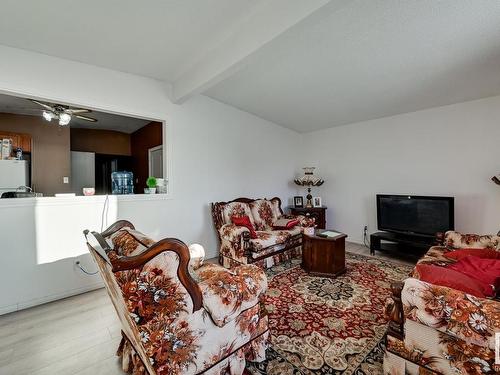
column 395, row 312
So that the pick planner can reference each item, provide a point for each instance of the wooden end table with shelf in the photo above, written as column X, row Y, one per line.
column 323, row 256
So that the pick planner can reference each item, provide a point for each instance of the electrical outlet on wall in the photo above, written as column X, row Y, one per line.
column 65, row 180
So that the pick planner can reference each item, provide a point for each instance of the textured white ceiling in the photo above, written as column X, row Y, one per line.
column 346, row 61
column 107, row 121
column 154, row 38
column 371, row 59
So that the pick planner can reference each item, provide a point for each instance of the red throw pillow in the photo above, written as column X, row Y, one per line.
column 484, row 271
column 244, row 221
column 285, row 223
column 480, row 253
column 450, row 278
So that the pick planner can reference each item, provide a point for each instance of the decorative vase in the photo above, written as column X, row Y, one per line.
column 309, row 231
column 150, row 190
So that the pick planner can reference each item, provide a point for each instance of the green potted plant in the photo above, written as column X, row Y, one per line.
column 151, row 183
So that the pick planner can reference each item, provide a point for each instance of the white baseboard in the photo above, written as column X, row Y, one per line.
column 53, row 297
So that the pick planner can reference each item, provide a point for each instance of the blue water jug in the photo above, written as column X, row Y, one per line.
column 122, row 182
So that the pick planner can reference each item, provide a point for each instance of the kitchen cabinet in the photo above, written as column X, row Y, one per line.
column 18, row 140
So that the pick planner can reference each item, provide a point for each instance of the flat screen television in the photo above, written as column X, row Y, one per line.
column 411, row 214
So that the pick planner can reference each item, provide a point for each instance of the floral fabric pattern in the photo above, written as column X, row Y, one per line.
column 440, row 352
column 129, row 242
column 435, row 256
column 272, row 237
column 236, row 209
column 264, row 215
column 474, row 320
column 446, row 330
column 456, row 240
column 232, row 243
column 227, row 293
column 172, row 337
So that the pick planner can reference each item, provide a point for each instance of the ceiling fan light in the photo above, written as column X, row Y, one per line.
column 48, row 115
column 64, row 119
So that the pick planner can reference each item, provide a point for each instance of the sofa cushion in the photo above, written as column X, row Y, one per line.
column 263, row 214
column 226, row 293
column 236, row 209
column 273, row 237
column 484, row 271
column 456, row 240
column 481, row 253
column 437, row 275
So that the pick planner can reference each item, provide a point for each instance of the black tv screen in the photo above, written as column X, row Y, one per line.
column 415, row 214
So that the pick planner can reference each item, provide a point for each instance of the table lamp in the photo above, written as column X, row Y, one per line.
column 308, row 179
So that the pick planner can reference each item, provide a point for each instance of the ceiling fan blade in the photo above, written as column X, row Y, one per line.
column 76, row 111
column 46, row 106
column 86, row 118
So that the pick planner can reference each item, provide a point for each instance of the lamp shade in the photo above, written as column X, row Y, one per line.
column 308, row 179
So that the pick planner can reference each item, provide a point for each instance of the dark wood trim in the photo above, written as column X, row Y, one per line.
column 115, row 227
column 293, row 242
column 395, row 312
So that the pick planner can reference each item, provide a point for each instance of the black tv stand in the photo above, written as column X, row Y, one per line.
column 407, row 244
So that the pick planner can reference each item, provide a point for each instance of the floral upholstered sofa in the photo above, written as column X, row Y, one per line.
column 270, row 246
column 179, row 316
column 437, row 329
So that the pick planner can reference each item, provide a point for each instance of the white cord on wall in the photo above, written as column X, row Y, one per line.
column 104, row 215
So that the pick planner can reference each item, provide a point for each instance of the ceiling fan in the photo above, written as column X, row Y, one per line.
column 63, row 113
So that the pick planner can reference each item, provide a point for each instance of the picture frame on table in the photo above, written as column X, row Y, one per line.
column 298, row 201
column 317, row 202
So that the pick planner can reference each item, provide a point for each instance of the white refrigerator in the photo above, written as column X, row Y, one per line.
column 13, row 173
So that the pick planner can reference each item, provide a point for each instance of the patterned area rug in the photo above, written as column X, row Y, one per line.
column 328, row 326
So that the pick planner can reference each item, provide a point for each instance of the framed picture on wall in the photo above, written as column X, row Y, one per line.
column 298, row 202
column 317, row 202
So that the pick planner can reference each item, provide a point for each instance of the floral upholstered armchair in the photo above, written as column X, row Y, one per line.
column 438, row 329
column 269, row 246
column 179, row 316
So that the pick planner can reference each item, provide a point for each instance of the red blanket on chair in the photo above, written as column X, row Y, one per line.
column 485, row 271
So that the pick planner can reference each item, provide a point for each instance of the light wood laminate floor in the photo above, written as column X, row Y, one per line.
column 76, row 335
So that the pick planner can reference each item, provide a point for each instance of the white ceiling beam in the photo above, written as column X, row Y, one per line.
column 270, row 20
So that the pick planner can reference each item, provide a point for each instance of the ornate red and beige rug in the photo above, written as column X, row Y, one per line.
column 328, row 326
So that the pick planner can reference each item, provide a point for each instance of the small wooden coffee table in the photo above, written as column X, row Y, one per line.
column 322, row 256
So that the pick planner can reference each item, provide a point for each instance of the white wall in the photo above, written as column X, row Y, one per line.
column 217, row 153
column 451, row 150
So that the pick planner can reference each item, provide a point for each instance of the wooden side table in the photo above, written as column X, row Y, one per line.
column 318, row 213
column 322, row 256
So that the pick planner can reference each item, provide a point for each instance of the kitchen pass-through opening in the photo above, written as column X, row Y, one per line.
column 52, row 149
